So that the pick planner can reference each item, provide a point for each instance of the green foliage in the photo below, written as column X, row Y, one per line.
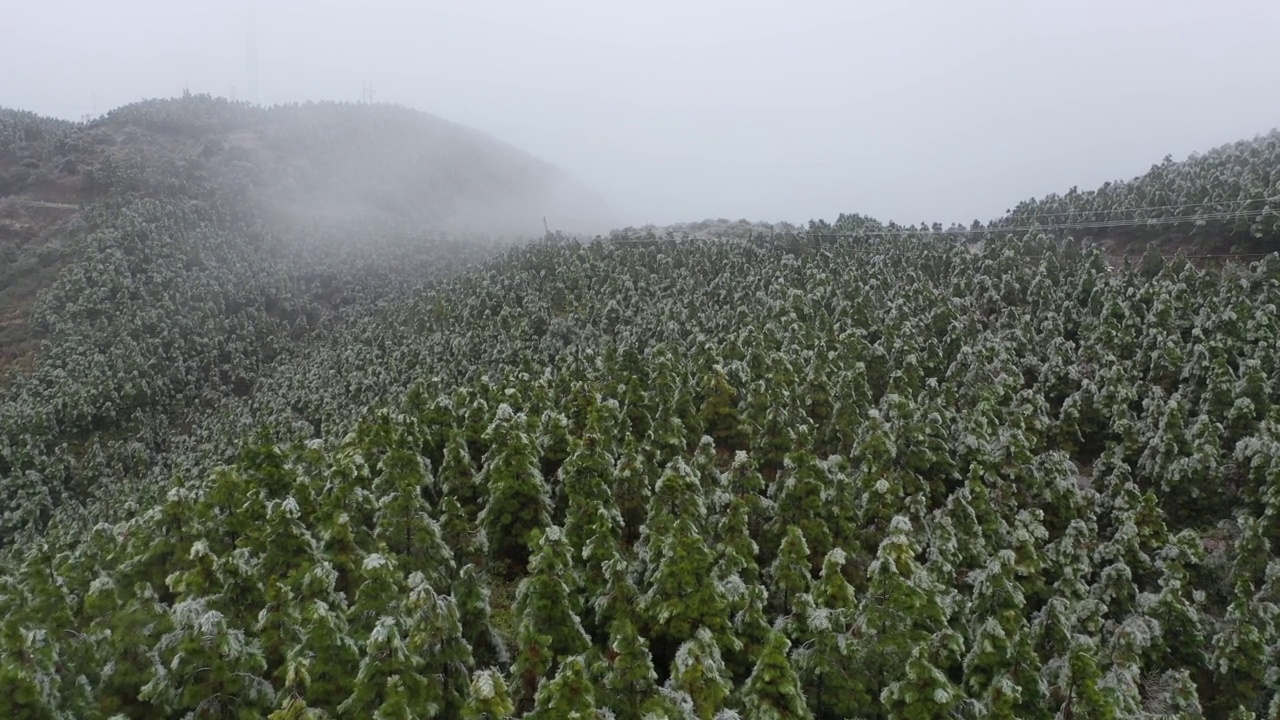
column 1232, row 180
column 518, row 501
column 548, row 630
column 773, row 691
column 488, row 698
column 568, row 695
column 698, row 671
column 863, row 479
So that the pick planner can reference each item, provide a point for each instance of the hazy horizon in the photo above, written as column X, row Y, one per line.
column 680, row 111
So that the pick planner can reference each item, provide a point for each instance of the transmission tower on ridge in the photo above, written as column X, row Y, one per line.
column 253, row 53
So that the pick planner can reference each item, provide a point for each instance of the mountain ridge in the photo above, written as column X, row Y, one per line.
column 296, row 170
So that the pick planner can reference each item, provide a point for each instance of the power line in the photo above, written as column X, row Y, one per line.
column 1132, row 222
column 1149, row 208
column 857, row 250
column 1102, row 224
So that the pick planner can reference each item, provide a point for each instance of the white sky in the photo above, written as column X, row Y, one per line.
column 941, row 110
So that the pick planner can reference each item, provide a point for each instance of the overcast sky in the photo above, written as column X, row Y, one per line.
column 946, row 110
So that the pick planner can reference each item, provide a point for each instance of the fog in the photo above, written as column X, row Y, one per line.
column 684, row 109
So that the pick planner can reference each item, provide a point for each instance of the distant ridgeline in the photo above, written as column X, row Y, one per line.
column 1224, row 201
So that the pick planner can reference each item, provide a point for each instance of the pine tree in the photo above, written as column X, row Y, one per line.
column 678, row 494
column 488, row 698
column 475, row 616
column 681, row 596
column 788, row 576
column 319, row 664
column 567, row 696
column 457, row 477
column 772, row 437
column 553, row 448
column 699, row 671
column 519, row 502
column 28, row 670
column 547, row 630
column 127, row 623
column 825, row 661
column 880, row 494
column 924, row 691
column 843, row 506
column 288, row 555
column 632, row 488
column 1239, row 656
column 207, row 666
column 617, row 600
column 603, row 545
column 629, row 680
column 773, row 692
column 593, row 525
column 800, row 496
column 1183, row 640
column 1086, row 695
column 751, row 628
column 901, row 609
column 832, row 590
column 465, row 539
column 737, row 548
column 744, row 483
column 1001, row 668
column 586, row 479
column 381, row 589
column 719, row 410
column 404, row 524
column 295, row 708
column 434, row 636
column 1128, row 643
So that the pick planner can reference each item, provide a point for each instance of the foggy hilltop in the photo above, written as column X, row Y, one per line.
column 316, row 162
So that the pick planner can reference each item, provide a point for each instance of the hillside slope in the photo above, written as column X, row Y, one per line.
column 271, row 467
column 1224, row 200
column 161, row 258
column 647, row 478
column 295, row 170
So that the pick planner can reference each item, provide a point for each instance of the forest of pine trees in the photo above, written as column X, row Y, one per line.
column 740, row 477
column 901, row 481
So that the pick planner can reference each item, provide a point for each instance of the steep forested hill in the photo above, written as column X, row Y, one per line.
column 291, row 170
column 360, row 472
column 170, row 251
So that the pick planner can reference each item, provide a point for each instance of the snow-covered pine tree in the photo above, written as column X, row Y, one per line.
column 568, row 696
column 488, row 698
column 630, row 681
column 698, row 671
column 519, row 501
column 774, row 692
column 547, row 629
